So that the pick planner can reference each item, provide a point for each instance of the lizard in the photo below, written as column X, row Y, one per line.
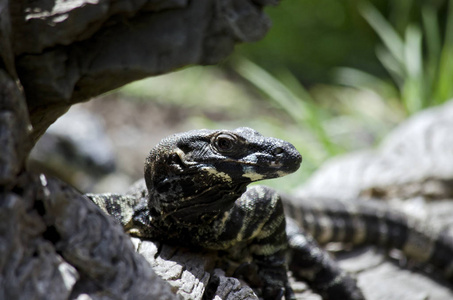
column 195, row 194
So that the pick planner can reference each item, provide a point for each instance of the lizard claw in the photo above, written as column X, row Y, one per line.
column 280, row 294
column 289, row 293
column 273, row 293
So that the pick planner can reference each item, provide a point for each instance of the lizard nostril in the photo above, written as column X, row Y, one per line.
column 278, row 151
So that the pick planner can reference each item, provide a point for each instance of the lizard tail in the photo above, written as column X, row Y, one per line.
column 373, row 223
column 315, row 266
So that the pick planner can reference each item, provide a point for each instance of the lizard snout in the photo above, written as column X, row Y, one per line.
column 286, row 157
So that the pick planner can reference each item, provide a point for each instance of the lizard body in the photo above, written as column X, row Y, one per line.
column 196, row 195
column 372, row 222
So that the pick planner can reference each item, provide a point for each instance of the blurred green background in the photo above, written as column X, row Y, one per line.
column 331, row 76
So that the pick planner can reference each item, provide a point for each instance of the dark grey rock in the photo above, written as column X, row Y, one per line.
column 15, row 129
column 66, row 52
column 189, row 272
column 75, row 148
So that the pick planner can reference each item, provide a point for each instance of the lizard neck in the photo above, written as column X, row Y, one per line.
column 200, row 205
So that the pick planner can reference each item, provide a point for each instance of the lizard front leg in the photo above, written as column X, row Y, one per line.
column 270, row 250
column 314, row 265
column 256, row 225
column 258, row 218
column 270, row 245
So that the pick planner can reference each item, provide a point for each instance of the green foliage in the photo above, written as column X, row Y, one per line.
column 397, row 59
column 422, row 78
column 310, row 37
column 292, row 98
column 324, row 122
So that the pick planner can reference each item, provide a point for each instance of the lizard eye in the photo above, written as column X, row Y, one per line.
column 224, row 143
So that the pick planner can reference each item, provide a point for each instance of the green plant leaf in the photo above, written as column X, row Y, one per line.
column 384, row 29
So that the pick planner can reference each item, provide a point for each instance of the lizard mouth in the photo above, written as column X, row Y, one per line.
column 281, row 159
column 271, row 169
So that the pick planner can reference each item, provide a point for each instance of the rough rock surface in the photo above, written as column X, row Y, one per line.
column 75, row 149
column 190, row 274
column 68, row 51
column 56, row 244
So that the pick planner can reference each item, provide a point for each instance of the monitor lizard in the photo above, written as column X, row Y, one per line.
column 195, row 194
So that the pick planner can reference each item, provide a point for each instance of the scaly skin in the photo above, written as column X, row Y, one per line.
column 196, row 195
column 371, row 222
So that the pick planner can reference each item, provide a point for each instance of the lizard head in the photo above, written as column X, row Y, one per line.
column 205, row 171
